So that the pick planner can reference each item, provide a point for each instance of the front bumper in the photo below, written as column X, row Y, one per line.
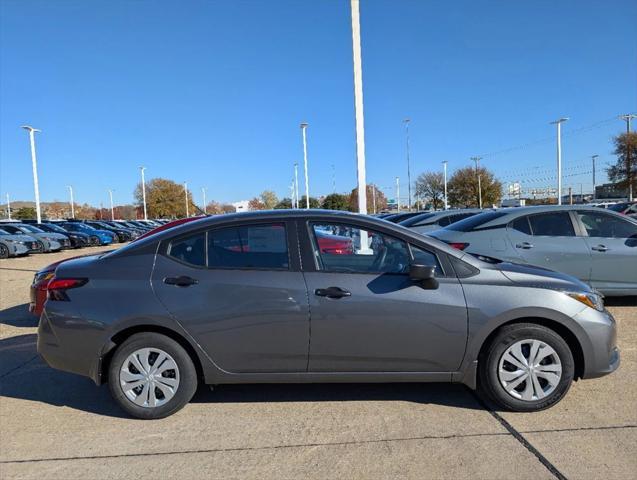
column 601, row 353
column 16, row 249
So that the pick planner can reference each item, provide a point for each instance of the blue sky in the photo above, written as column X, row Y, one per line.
column 212, row 92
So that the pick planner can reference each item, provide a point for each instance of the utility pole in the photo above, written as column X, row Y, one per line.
column 34, row 164
column 296, row 185
column 374, row 197
column 70, row 187
column 8, row 207
column 444, row 164
column 186, row 195
column 570, row 195
column 594, row 157
column 406, row 122
column 629, row 167
column 144, row 191
column 360, row 117
column 203, row 194
column 559, row 157
column 110, row 194
column 307, row 183
column 477, row 162
column 398, row 194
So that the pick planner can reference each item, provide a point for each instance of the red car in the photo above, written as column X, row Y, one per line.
column 39, row 287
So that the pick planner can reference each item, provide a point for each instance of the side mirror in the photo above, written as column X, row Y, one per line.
column 425, row 275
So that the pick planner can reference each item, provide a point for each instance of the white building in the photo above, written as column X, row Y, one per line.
column 241, row 206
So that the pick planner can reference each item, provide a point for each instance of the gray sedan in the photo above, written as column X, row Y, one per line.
column 279, row 296
column 50, row 241
column 597, row 246
column 15, row 245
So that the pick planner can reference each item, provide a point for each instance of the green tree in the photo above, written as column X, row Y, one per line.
column 431, row 187
column 625, row 168
column 284, row 203
column 24, row 213
column 165, row 199
column 372, row 192
column 269, row 199
column 463, row 188
column 336, row 201
column 314, row 203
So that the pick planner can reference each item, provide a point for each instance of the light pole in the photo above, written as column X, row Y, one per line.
column 141, row 169
column 186, row 195
column 594, row 157
column 34, row 162
column 477, row 161
column 374, row 197
column 110, row 193
column 307, row 182
column 296, row 185
column 360, row 116
column 629, row 170
column 70, row 187
column 333, row 179
column 559, row 157
column 406, row 122
column 444, row 165
column 8, row 207
column 203, row 194
column 398, row 194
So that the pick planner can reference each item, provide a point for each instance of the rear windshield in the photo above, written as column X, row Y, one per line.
column 475, row 222
column 415, row 221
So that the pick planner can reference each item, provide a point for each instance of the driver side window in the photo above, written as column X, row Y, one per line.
column 349, row 249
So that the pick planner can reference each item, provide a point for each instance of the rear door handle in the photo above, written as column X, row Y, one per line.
column 182, row 281
column 600, row 248
column 524, row 245
column 332, row 292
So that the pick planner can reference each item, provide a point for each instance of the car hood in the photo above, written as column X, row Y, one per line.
column 59, row 236
column 532, row 276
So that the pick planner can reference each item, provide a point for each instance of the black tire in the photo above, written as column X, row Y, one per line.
column 489, row 382
column 4, row 251
column 187, row 375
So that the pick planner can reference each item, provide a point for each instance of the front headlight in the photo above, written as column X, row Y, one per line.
column 589, row 299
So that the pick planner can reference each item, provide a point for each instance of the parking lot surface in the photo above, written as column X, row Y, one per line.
column 58, row 425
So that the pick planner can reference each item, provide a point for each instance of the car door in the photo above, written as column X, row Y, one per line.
column 612, row 242
column 367, row 315
column 239, row 292
column 549, row 240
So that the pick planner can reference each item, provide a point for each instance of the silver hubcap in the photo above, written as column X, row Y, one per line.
column 530, row 370
column 149, row 377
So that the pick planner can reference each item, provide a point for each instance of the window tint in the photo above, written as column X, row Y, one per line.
column 444, row 221
column 347, row 248
column 553, row 224
column 190, row 250
column 475, row 222
column 521, row 225
column 424, row 257
column 250, row 246
column 422, row 219
column 608, row 226
column 460, row 216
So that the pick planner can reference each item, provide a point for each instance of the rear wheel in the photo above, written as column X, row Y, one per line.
column 4, row 251
column 527, row 367
column 151, row 376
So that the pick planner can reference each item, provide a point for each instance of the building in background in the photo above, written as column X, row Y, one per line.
column 241, row 206
column 610, row 190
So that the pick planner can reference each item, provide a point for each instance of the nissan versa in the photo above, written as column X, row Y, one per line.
column 259, row 298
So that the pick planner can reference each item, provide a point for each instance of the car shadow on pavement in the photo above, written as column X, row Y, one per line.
column 620, row 301
column 18, row 316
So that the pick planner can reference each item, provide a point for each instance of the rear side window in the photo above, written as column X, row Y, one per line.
column 521, row 225
column 191, row 250
column 552, row 224
column 250, row 246
column 475, row 222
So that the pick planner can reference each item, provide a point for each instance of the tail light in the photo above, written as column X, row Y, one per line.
column 58, row 286
column 458, row 245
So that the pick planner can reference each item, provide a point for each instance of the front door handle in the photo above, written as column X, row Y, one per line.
column 600, row 248
column 524, row 245
column 332, row 292
column 182, row 281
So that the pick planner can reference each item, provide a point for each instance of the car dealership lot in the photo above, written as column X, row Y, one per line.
column 57, row 425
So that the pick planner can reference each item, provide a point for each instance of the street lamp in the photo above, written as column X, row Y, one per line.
column 34, row 163
column 477, row 161
column 296, row 185
column 186, row 194
column 594, row 157
column 8, row 207
column 307, row 183
column 559, row 157
column 70, row 187
column 406, row 122
column 141, row 169
column 398, row 194
column 444, row 164
column 110, row 193
column 203, row 193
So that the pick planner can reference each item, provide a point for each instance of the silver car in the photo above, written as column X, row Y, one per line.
column 428, row 221
column 16, row 245
column 51, row 241
column 597, row 246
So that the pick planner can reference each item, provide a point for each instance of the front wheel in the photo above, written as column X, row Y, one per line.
column 4, row 251
column 151, row 376
column 527, row 367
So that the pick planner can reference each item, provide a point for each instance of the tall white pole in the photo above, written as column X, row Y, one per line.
column 406, row 121
column 477, row 161
column 70, row 187
column 296, row 185
column 144, row 191
column 629, row 168
column 8, row 207
column 360, row 116
column 559, row 158
column 374, row 197
column 398, row 194
column 307, row 182
column 203, row 194
column 186, row 195
column 594, row 157
column 34, row 162
column 444, row 164
column 110, row 193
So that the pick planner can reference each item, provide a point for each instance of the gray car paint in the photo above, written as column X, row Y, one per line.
column 263, row 326
column 612, row 272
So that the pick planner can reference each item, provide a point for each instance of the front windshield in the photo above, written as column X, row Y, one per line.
column 473, row 223
column 30, row 228
column 55, row 228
